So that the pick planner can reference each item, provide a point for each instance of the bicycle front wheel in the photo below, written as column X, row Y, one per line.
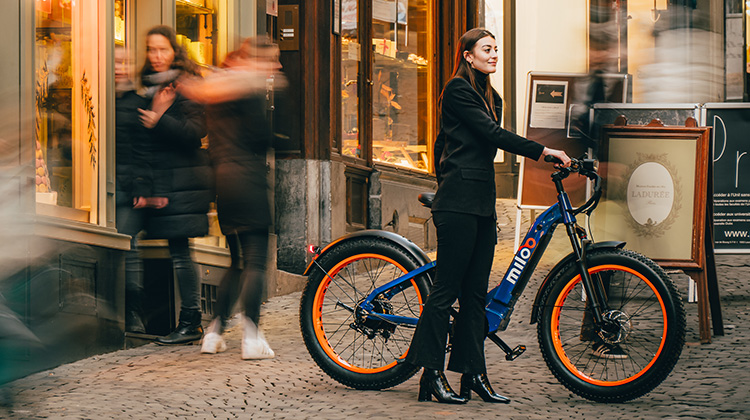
column 356, row 348
column 640, row 341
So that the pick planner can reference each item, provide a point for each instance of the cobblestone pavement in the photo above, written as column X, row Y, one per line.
column 709, row 382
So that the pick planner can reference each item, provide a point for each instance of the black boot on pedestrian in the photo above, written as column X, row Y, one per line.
column 481, row 385
column 434, row 383
column 189, row 330
column 133, row 321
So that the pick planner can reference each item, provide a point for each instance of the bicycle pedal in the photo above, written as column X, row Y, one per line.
column 515, row 353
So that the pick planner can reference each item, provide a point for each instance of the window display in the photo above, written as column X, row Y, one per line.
column 351, row 56
column 66, row 133
column 197, row 30
column 402, row 96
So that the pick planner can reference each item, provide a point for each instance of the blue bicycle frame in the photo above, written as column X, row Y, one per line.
column 502, row 298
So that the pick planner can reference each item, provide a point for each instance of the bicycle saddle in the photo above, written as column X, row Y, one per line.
column 426, row 198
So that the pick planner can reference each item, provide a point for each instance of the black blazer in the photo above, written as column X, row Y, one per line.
column 465, row 150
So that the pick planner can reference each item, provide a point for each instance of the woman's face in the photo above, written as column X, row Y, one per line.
column 122, row 65
column 483, row 56
column 159, row 52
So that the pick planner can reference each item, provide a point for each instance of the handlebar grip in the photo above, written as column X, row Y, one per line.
column 552, row 159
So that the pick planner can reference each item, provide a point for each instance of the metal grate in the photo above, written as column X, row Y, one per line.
column 208, row 298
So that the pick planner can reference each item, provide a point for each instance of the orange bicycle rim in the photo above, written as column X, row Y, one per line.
column 320, row 333
column 555, row 326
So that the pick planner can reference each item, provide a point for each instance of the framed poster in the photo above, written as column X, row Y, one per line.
column 655, row 188
column 548, row 104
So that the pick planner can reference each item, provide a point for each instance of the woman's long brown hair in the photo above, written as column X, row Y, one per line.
column 181, row 60
column 463, row 70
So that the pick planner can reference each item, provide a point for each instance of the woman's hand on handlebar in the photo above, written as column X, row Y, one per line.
column 561, row 159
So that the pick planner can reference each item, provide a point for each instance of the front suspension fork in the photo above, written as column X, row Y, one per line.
column 594, row 288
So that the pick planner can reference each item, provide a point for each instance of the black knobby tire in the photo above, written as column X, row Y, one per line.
column 337, row 343
column 639, row 355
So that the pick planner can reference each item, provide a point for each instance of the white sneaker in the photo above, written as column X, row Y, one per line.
column 258, row 348
column 213, row 343
column 254, row 345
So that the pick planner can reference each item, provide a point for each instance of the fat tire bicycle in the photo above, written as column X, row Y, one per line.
column 365, row 291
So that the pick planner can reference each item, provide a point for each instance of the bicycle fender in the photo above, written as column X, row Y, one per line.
column 393, row 237
column 558, row 267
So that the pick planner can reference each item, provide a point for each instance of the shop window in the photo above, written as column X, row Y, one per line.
column 402, row 93
column 351, row 57
column 197, row 30
column 120, row 25
column 67, row 109
column 201, row 30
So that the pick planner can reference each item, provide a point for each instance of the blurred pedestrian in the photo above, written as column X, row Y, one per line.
column 240, row 135
column 133, row 180
column 182, row 186
column 464, row 215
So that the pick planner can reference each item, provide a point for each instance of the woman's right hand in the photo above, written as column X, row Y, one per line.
column 558, row 154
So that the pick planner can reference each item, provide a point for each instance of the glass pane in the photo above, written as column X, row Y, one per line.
column 675, row 51
column 351, row 55
column 197, row 30
column 120, row 15
column 67, row 108
column 402, row 90
column 200, row 33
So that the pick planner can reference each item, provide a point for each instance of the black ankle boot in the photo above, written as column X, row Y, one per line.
column 188, row 330
column 133, row 321
column 433, row 382
column 481, row 385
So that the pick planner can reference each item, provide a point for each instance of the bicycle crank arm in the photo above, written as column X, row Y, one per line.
column 510, row 354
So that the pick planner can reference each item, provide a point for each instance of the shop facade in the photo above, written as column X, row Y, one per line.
column 357, row 125
column 354, row 128
column 63, row 266
column 355, row 145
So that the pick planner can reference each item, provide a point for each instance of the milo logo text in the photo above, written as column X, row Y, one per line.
column 520, row 260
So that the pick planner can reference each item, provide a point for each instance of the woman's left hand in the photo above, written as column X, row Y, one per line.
column 564, row 158
column 159, row 105
column 148, row 117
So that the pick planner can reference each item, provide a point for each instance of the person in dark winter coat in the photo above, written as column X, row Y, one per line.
column 133, row 179
column 182, row 184
column 464, row 215
column 240, row 135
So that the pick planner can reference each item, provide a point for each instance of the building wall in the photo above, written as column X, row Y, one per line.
column 394, row 205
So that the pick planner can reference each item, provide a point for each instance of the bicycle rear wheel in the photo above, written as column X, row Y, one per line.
column 353, row 348
column 640, row 342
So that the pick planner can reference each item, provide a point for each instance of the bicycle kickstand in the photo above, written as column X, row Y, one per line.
column 510, row 354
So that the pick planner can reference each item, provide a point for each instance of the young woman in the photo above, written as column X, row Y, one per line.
column 240, row 135
column 464, row 215
column 182, row 186
column 133, row 179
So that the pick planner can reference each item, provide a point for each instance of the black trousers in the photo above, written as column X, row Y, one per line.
column 466, row 247
column 246, row 278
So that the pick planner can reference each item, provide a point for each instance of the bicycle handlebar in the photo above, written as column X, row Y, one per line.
column 587, row 168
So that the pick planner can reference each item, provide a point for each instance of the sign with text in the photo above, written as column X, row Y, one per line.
column 551, row 99
column 731, row 123
column 654, row 183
